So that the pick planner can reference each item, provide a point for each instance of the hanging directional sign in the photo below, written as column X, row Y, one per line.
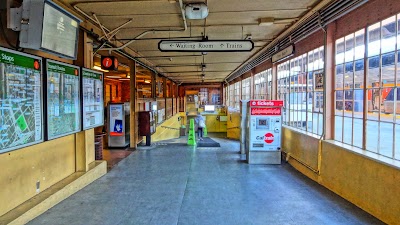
column 206, row 46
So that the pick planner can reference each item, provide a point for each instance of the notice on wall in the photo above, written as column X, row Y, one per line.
column 63, row 99
column 21, row 119
column 116, row 120
column 319, row 80
column 93, row 106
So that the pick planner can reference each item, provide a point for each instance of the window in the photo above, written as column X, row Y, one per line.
column 259, row 86
column 237, row 95
column 300, row 86
column 381, row 115
column 246, row 89
column 262, row 85
column 231, row 98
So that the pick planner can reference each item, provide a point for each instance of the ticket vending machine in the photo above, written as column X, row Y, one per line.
column 264, row 129
column 118, row 124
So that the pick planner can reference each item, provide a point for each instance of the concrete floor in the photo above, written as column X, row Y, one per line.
column 177, row 184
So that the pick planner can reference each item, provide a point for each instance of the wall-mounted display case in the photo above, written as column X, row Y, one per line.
column 21, row 121
column 92, row 99
column 63, row 99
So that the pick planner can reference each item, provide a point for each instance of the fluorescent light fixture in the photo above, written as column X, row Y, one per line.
column 147, row 81
column 113, row 76
column 267, row 21
column 99, row 68
column 124, row 79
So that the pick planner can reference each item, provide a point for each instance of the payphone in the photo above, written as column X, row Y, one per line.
column 264, row 129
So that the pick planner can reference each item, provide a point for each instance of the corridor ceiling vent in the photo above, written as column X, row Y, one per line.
column 268, row 21
column 196, row 11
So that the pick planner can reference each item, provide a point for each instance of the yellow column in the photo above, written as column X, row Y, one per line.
column 84, row 140
column 133, row 101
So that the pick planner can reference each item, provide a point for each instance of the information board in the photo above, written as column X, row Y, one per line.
column 93, row 106
column 21, row 119
column 63, row 99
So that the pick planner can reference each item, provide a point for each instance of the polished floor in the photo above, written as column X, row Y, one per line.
column 177, row 184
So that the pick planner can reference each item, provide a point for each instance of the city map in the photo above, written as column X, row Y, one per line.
column 20, row 101
column 63, row 104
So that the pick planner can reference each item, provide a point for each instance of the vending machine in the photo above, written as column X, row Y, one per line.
column 118, row 124
column 264, row 129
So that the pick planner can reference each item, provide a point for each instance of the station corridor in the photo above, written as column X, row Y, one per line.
column 178, row 184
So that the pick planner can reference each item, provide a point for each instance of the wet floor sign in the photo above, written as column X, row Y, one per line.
column 191, row 137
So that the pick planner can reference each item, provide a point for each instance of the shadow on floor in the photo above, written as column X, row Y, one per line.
column 114, row 156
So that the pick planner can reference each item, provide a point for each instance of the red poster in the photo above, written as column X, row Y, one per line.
column 266, row 111
column 270, row 103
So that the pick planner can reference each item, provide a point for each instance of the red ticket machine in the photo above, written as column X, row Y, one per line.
column 264, row 129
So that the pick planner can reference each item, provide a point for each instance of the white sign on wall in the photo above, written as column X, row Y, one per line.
column 283, row 54
column 205, row 46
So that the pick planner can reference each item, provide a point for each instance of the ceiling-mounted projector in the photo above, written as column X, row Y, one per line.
column 196, row 11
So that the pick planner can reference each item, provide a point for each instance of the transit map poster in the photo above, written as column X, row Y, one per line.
column 93, row 106
column 21, row 119
column 63, row 99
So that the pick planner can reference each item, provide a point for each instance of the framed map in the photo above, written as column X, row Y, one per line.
column 63, row 99
column 21, row 122
column 92, row 93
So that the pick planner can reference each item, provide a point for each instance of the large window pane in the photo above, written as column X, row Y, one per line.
column 357, row 132
column 386, row 139
column 374, row 39
column 398, row 31
column 389, row 34
column 339, row 128
column 315, row 123
column 339, row 100
column 359, row 74
column 372, row 136
column 382, row 110
column 398, row 68
column 397, row 141
column 348, row 130
column 358, row 103
column 320, row 123
column 360, row 48
column 349, row 48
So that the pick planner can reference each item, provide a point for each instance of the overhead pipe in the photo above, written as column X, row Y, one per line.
column 299, row 31
column 274, row 42
column 184, row 29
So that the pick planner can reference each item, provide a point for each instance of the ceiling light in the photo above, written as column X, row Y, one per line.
column 113, row 76
column 147, row 81
column 196, row 11
column 124, row 79
column 267, row 21
column 99, row 68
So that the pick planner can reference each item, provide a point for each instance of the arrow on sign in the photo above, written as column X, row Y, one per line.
column 222, row 45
